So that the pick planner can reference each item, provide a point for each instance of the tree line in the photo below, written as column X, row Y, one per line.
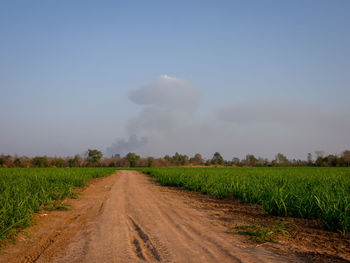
column 94, row 158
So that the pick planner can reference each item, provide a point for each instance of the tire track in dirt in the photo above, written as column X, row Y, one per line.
column 143, row 245
column 128, row 218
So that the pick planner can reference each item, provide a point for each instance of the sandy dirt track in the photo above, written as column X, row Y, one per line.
column 128, row 218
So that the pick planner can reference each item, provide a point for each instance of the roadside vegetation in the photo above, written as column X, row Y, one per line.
column 305, row 192
column 262, row 234
column 95, row 158
column 26, row 191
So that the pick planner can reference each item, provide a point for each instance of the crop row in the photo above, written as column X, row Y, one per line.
column 26, row 191
column 309, row 192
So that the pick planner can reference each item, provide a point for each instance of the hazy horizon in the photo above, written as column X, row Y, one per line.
column 155, row 78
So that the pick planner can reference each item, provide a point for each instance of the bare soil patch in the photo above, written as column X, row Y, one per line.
column 303, row 237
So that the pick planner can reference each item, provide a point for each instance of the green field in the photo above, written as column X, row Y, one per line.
column 310, row 192
column 26, row 191
column 307, row 192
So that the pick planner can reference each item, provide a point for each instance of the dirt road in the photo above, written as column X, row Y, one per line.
column 128, row 218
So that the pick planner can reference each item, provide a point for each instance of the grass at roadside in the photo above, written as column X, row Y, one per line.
column 305, row 192
column 26, row 191
column 262, row 234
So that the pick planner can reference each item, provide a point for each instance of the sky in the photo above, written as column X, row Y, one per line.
column 159, row 77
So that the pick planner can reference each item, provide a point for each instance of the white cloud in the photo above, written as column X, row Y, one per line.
column 169, row 93
column 165, row 76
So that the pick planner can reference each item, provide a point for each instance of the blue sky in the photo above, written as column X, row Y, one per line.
column 67, row 69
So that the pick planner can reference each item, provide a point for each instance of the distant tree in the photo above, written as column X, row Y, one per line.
column 197, row 159
column 319, row 158
column 346, row 154
column 72, row 162
column 150, row 161
column 262, row 161
column 273, row 163
column 299, row 162
column 346, row 157
column 79, row 160
column 6, row 161
column 331, row 160
column 93, row 157
column 26, row 162
column 111, row 163
column 124, row 162
column 160, row 162
column 235, row 161
column 168, row 159
column 319, row 161
column 251, row 160
column 179, row 159
column 133, row 159
column 185, row 160
column 17, row 162
column 57, row 162
column 281, row 159
column 217, row 159
column 40, row 161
